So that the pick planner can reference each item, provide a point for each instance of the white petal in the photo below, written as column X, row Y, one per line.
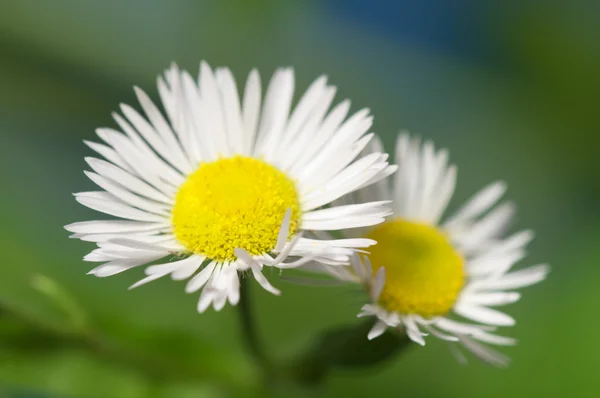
column 202, row 132
column 349, row 216
column 353, row 242
column 127, row 180
column 429, row 175
column 321, row 136
column 142, row 160
column 323, row 249
column 413, row 332
column 251, row 109
column 444, row 194
column 458, row 354
column 147, row 131
column 112, row 226
column 167, row 268
column 147, row 279
column 172, row 98
column 287, row 249
column 262, row 281
column 220, row 300
column 110, row 205
column 358, row 267
column 492, row 299
column 494, row 339
column 302, row 111
column 484, row 353
column 343, row 223
column 380, row 191
column 438, row 334
column 368, row 267
column 231, row 109
column 355, row 127
column 484, row 315
column 245, row 257
column 305, row 138
column 379, row 208
column 348, row 180
column 378, row 283
column 139, row 244
column 440, row 186
column 491, row 226
column 109, row 154
column 338, row 151
column 494, row 263
column 129, row 198
column 233, row 292
column 380, row 177
column 276, row 108
column 331, row 166
column 480, row 203
column 117, row 266
column 459, row 328
column 516, row 241
column 298, row 263
column 162, row 128
column 97, row 256
column 188, row 270
column 201, row 278
column 367, row 310
column 214, row 114
column 515, row 280
column 284, row 229
column 377, row 330
column 206, row 298
column 408, row 178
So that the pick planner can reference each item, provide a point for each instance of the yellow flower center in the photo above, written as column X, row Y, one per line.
column 423, row 272
column 236, row 202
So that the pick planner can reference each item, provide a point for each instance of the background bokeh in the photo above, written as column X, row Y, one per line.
column 511, row 88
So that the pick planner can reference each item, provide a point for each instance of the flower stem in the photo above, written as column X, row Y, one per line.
column 249, row 332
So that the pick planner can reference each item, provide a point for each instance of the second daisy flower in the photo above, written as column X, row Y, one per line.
column 425, row 274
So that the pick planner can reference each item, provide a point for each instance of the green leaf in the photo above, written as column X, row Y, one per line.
column 76, row 316
column 344, row 348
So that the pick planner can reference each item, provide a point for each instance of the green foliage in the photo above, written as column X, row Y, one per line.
column 346, row 348
column 65, row 65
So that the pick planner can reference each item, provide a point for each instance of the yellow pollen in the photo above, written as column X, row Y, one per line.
column 236, row 202
column 423, row 272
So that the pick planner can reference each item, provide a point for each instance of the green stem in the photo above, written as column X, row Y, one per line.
column 247, row 321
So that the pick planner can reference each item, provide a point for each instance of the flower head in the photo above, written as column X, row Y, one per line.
column 223, row 184
column 423, row 272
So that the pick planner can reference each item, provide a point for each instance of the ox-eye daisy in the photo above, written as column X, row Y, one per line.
column 424, row 271
column 223, row 185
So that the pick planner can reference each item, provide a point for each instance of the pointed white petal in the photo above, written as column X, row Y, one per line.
column 201, row 278
column 377, row 330
column 378, row 283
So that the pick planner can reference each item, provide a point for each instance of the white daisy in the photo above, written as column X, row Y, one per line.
column 222, row 185
column 426, row 270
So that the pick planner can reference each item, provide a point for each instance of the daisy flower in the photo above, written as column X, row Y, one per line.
column 221, row 184
column 424, row 271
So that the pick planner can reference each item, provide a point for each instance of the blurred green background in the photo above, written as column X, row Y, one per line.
column 510, row 87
